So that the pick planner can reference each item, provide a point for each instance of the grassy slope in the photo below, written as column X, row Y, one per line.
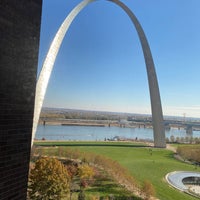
column 144, row 166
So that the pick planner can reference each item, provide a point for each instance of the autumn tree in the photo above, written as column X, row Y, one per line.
column 172, row 138
column 81, row 195
column 49, row 179
column 85, row 173
column 72, row 169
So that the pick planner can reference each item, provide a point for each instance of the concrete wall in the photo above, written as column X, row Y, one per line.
column 19, row 43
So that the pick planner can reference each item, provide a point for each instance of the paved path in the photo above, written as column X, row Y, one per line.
column 170, row 147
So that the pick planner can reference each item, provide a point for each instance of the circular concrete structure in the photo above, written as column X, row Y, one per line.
column 185, row 181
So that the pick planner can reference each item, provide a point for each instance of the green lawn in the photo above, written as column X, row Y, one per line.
column 143, row 164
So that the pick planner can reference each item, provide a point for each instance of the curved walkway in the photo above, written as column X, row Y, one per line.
column 170, row 147
column 175, row 179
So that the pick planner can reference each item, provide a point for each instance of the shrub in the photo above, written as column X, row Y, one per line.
column 189, row 153
column 148, row 189
column 81, row 195
column 86, row 174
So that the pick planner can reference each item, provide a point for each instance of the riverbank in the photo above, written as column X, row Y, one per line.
column 100, row 123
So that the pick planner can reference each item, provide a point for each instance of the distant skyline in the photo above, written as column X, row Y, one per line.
column 100, row 65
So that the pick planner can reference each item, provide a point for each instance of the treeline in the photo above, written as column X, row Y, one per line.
column 88, row 116
column 78, row 115
column 182, row 140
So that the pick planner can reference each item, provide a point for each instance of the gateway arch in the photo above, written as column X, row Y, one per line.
column 156, row 108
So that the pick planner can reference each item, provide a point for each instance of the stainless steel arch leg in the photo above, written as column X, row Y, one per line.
column 157, row 116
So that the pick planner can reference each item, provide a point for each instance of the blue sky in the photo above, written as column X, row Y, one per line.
column 100, row 65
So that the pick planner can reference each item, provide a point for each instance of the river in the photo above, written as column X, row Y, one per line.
column 91, row 133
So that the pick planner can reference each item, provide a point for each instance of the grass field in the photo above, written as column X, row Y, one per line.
column 144, row 163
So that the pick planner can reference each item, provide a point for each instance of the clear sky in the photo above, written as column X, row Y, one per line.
column 100, row 65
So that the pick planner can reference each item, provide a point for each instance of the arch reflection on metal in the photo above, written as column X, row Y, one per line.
column 157, row 116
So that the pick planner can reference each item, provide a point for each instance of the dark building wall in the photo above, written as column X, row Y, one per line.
column 19, row 44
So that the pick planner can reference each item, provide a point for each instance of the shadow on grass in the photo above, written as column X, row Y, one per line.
column 170, row 155
column 50, row 144
column 112, row 190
